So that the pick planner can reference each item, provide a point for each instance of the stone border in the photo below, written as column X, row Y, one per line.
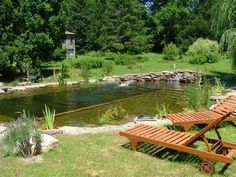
column 175, row 76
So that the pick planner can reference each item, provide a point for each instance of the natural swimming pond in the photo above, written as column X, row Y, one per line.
column 136, row 99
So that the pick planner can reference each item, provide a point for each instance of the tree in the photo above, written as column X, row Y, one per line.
column 30, row 32
column 123, row 28
column 85, row 20
column 223, row 16
column 168, row 23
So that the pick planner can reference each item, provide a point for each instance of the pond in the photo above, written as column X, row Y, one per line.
column 139, row 98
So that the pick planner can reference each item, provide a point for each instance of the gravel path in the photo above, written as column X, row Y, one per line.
column 109, row 128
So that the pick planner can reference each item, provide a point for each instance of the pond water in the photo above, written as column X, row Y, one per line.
column 140, row 98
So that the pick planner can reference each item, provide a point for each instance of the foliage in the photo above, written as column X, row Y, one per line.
column 125, row 59
column 162, row 110
column 24, row 138
column 204, row 51
column 64, row 74
column 168, row 22
column 218, row 87
column 205, row 93
column 171, row 52
column 197, row 96
column 223, row 16
column 123, row 28
column 227, row 39
column 85, row 71
column 113, row 114
column 108, row 67
column 49, row 116
column 233, row 55
column 193, row 97
column 30, row 32
column 93, row 62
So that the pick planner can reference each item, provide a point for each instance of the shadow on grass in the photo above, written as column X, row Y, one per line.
column 171, row 155
column 165, row 153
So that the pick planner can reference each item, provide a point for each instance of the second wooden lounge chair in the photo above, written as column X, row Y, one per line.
column 186, row 120
column 216, row 150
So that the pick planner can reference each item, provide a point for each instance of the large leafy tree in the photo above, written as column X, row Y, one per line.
column 169, row 21
column 30, row 31
column 123, row 28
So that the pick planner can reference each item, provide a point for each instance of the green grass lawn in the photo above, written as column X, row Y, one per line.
column 104, row 155
column 154, row 63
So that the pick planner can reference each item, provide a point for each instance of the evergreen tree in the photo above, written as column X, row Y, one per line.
column 123, row 28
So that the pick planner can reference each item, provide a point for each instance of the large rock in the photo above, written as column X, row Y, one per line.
column 48, row 143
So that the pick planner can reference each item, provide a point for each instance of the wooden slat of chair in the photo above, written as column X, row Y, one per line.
column 158, row 133
column 145, row 131
column 183, row 140
column 149, row 133
column 137, row 129
column 179, row 136
column 163, row 135
column 172, row 135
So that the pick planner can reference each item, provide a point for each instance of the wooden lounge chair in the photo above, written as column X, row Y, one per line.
column 217, row 150
column 186, row 120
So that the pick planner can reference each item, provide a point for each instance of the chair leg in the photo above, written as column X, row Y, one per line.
column 134, row 144
column 187, row 127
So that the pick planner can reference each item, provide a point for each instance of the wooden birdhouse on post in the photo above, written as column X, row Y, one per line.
column 69, row 44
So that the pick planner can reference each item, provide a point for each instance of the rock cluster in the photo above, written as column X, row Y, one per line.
column 176, row 76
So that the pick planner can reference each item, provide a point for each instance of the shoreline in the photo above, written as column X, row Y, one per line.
column 182, row 76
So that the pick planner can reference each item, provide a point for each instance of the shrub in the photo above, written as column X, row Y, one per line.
column 113, row 114
column 85, row 71
column 125, row 59
column 49, row 116
column 108, row 67
column 171, row 52
column 204, row 51
column 24, row 138
column 162, row 110
column 64, row 74
column 61, row 81
column 94, row 62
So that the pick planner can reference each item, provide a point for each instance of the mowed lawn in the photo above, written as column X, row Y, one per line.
column 155, row 63
column 108, row 155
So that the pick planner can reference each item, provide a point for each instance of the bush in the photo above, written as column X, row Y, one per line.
column 24, row 138
column 204, row 51
column 64, row 74
column 108, row 67
column 126, row 59
column 171, row 52
column 94, row 62
column 113, row 114
column 85, row 71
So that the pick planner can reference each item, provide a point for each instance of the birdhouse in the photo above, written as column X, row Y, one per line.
column 69, row 44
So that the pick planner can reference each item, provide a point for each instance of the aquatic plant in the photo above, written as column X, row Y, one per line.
column 49, row 116
column 193, row 97
column 218, row 87
column 162, row 110
column 113, row 114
